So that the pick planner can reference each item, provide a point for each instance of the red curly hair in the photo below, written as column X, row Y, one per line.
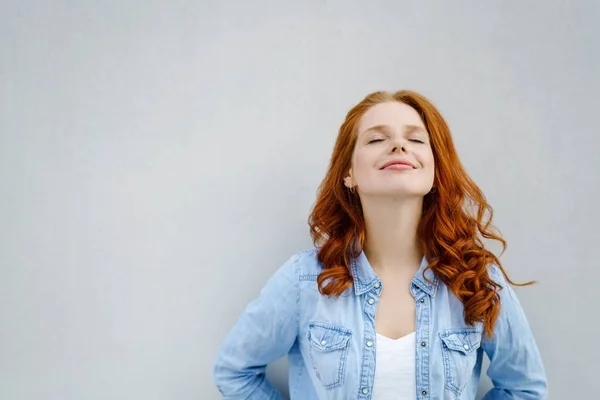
column 455, row 220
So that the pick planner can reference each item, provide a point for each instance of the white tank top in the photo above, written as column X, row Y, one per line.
column 395, row 368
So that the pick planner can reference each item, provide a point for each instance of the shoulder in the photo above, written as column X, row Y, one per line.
column 499, row 277
column 505, row 290
column 301, row 265
column 306, row 263
column 496, row 275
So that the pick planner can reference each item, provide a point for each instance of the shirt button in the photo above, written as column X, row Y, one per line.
column 369, row 344
column 323, row 342
column 371, row 301
column 423, row 344
column 424, row 392
column 365, row 390
column 377, row 285
column 422, row 301
column 466, row 347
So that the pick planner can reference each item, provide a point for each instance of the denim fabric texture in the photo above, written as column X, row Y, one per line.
column 330, row 342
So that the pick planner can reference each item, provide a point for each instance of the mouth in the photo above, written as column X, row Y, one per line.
column 398, row 165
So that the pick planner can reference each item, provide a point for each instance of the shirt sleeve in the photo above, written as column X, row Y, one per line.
column 265, row 331
column 516, row 367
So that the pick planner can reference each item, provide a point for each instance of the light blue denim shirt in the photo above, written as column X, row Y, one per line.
column 331, row 342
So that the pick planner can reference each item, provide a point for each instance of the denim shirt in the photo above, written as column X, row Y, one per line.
column 330, row 341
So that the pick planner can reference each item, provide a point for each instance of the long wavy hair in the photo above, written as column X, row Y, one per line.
column 456, row 218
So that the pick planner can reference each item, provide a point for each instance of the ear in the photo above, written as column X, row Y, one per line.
column 348, row 181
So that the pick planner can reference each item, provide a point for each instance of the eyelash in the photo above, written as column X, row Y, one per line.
column 410, row 140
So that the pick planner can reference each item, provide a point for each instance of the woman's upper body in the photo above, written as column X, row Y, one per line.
column 331, row 342
column 399, row 231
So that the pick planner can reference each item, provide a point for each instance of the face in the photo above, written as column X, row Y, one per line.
column 392, row 132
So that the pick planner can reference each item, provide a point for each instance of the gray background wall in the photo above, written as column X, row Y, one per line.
column 158, row 161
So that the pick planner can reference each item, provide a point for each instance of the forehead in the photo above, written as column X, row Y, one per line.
column 393, row 113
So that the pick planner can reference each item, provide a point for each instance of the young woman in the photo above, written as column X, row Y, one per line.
column 400, row 298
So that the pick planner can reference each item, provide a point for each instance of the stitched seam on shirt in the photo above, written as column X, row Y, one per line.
column 297, row 295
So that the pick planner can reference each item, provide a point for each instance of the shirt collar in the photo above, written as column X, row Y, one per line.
column 365, row 278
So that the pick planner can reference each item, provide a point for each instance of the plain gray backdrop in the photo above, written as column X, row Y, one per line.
column 158, row 161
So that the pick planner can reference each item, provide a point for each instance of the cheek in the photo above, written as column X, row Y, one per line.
column 431, row 168
column 428, row 159
column 431, row 163
column 360, row 163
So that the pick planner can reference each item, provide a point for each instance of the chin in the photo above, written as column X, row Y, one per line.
column 399, row 193
column 406, row 195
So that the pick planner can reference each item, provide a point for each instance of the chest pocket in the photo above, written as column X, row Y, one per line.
column 328, row 351
column 459, row 349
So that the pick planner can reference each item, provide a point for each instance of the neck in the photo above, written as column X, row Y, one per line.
column 391, row 243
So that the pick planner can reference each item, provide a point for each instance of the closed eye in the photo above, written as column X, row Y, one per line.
column 417, row 141
column 375, row 140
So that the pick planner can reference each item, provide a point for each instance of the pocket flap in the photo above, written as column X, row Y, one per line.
column 326, row 337
column 465, row 341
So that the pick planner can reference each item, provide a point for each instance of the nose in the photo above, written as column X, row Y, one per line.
column 399, row 148
column 399, row 145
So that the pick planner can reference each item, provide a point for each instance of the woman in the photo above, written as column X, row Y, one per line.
column 399, row 299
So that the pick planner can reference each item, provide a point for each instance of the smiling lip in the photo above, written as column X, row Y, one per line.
column 398, row 164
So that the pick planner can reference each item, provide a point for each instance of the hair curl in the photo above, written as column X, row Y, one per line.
column 456, row 218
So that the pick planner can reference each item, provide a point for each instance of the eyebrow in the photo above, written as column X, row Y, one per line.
column 408, row 128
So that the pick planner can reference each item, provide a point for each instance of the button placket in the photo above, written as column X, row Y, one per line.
column 423, row 305
column 369, row 310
